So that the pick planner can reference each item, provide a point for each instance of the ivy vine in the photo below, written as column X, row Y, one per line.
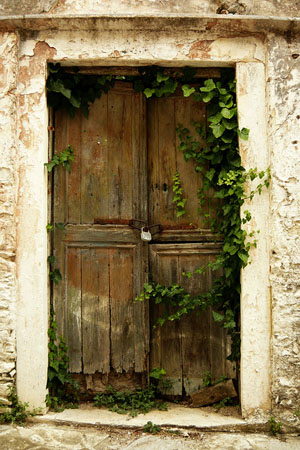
column 178, row 195
column 216, row 158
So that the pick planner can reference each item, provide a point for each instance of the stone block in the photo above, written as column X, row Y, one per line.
column 213, row 394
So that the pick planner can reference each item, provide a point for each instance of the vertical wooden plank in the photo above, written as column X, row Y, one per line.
column 74, row 178
column 153, row 162
column 95, row 311
column 121, row 298
column 94, row 163
column 166, row 349
column 60, row 180
column 73, row 308
column 195, row 327
column 188, row 111
column 140, row 211
column 60, row 215
column 218, row 350
column 120, row 153
column 162, row 159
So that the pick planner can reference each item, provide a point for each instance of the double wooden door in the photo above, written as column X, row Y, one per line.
column 126, row 155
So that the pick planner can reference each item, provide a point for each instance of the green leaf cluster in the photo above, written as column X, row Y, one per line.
column 216, row 156
column 16, row 412
column 130, row 402
column 63, row 390
column 54, row 273
column 72, row 91
column 152, row 428
column 64, row 159
column 275, row 427
column 178, row 196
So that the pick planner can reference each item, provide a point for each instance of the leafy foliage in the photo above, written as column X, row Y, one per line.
column 64, row 158
column 63, row 390
column 74, row 91
column 216, row 157
column 152, row 428
column 157, row 373
column 275, row 427
column 16, row 412
column 178, row 198
column 134, row 403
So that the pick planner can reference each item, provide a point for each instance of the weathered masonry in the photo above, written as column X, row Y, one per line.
column 263, row 45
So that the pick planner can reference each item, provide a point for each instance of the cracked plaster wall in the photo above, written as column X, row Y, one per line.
column 248, row 7
column 8, row 180
column 284, row 140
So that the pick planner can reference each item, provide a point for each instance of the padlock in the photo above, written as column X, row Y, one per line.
column 145, row 235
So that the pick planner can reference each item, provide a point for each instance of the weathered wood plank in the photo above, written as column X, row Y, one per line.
column 94, row 163
column 166, row 340
column 121, row 303
column 164, row 146
column 74, row 178
column 201, row 72
column 120, row 152
column 195, row 327
column 95, row 311
column 187, row 111
column 165, row 158
column 106, row 183
column 73, row 308
column 140, row 211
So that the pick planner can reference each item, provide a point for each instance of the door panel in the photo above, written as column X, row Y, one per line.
column 164, row 159
column 195, row 344
column 185, row 348
column 102, row 260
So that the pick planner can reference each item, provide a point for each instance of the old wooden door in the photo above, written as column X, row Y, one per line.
column 125, row 158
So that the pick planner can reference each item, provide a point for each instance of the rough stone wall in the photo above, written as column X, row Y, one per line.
column 8, row 75
column 249, row 7
column 8, row 7
column 284, row 138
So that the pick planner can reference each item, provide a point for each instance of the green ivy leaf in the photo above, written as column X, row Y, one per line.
column 161, row 77
column 207, row 97
column 60, row 226
column 217, row 317
column 58, row 86
column 187, row 90
column 229, row 124
column 215, row 119
column 217, row 129
column 243, row 256
column 209, row 86
column 51, row 260
column 75, row 101
column 244, row 134
column 226, row 101
column 228, row 113
column 149, row 92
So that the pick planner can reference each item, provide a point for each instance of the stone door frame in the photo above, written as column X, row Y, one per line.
column 116, row 48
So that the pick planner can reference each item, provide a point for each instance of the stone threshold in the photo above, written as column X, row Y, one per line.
column 178, row 416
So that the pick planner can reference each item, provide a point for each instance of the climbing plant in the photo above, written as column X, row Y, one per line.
column 216, row 157
column 178, row 195
column 63, row 390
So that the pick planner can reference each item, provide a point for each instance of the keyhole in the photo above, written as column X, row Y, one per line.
column 165, row 187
